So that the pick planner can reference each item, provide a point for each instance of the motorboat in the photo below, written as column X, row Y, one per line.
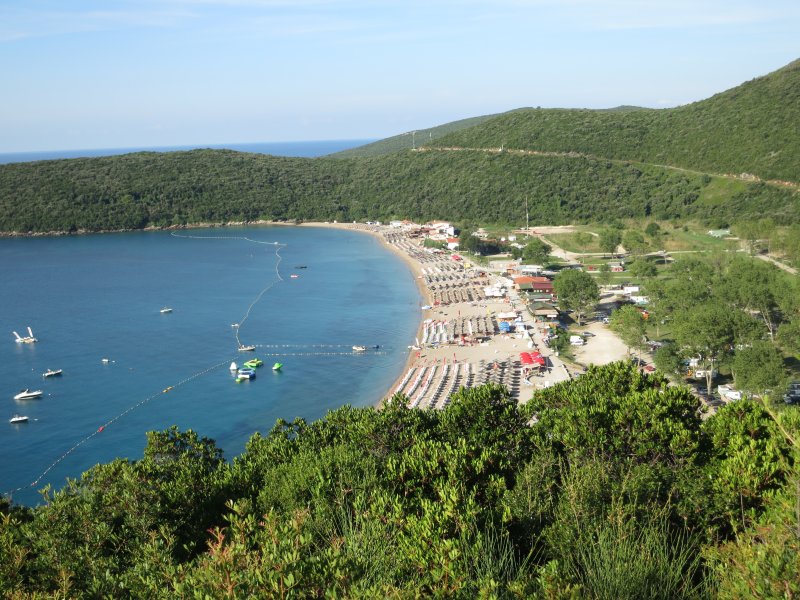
column 104, row 361
column 27, row 339
column 277, row 366
column 244, row 348
column 165, row 310
column 359, row 348
column 300, row 267
column 18, row 419
column 293, row 276
column 27, row 394
column 52, row 373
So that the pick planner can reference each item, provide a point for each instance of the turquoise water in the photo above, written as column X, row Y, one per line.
column 99, row 296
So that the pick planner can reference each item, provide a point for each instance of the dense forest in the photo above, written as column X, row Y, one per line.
column 604, row 165
column 608, row 486
column 152, row 189
column 749, row 129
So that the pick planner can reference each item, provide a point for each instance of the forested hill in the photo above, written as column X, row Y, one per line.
column 574, row 166
column 752, row 128
column 157, row 190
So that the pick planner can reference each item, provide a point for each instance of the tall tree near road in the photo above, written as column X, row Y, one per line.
column 537, row 251
column 628, row 324
column 705, row 331
column 577, row 291
column 609, row 240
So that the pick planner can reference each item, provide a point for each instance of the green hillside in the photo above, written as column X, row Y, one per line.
column 407, row 141
column 572, row 165
column 149, row 189
column 752, row 128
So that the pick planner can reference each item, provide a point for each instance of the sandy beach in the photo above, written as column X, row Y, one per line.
column 459, row 341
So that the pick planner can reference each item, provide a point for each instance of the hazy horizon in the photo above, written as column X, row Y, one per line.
column 119, row 73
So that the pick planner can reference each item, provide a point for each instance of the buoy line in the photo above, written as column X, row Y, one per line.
column 351, row 353
column 277, row 279
column 113, row 420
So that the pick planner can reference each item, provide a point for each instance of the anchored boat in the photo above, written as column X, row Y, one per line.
column 28, row 339
column 359, row 348
column 27, row 394
column 18, row 419
column 52, row 373
column 244, row 348
column 165, row 310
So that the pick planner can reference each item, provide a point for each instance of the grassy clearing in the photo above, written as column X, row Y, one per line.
column 581, row 242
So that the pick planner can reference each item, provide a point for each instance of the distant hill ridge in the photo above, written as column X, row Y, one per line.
column 753, row 128
column 573, row 165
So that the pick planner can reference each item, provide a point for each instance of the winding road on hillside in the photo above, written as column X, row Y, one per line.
column 747, row 177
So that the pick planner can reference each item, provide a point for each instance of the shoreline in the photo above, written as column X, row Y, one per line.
column 459, row 339
column 416, row 271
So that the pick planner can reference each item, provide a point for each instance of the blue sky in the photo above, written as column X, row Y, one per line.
column 82, row 74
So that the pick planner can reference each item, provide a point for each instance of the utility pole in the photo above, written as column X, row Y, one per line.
column 527, row 224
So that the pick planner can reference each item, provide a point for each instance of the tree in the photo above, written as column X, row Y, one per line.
column 609, row 240
column 605, row 274
column 758, row 368
column 536, row 251
column 634, row 242
column 705, row 331
column 667, row 360
column 653, row 230
column 629, row 325
column 642, row 268
column 583, row 239
column 751, row 286
column 468, row 242
column 577, row 291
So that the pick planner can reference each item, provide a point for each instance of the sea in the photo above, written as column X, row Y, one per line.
column 94, row 304
column 306, row 149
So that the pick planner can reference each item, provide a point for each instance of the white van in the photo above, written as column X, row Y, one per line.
column 576, row 340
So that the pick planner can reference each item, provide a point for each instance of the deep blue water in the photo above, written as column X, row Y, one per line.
column 310, row 149
column 95, row 296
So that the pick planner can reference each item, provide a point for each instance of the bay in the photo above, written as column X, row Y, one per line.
column 99, row 296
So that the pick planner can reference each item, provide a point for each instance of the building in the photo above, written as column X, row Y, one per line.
column 538, row 285
column 452, row 243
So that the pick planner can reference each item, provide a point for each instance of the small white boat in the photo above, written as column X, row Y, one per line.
column 26, row 394
column 52, row 373
column 234, row 366
column 28, row 339
column 293, row 276
column 244, row 348
column 359, row 348
column 165, row 310
column 18, row 419
column 104, row 361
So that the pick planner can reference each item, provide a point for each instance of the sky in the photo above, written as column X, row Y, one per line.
column 79, row 74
